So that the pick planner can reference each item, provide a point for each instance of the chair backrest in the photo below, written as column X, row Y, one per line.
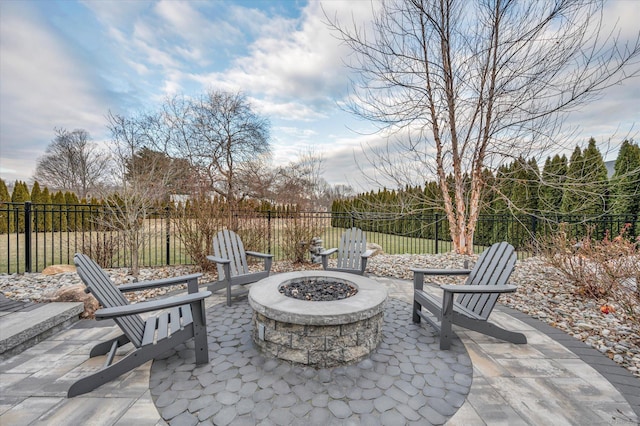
column 353, row 244
column 494, row 267
column 105, row 291
column 228, row 245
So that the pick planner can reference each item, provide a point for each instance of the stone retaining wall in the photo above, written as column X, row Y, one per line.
column 317, row 345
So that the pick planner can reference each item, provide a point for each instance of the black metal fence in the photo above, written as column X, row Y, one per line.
column 33, row 236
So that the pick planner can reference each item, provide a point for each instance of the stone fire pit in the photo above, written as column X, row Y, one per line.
column 317, row 333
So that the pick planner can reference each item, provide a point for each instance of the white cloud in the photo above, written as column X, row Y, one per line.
column 295, row 66
column 43, row 86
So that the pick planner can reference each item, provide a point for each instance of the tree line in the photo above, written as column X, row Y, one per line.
column 575, row 189
column 64, row 212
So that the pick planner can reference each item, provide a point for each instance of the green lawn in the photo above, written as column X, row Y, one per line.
column 51, row 248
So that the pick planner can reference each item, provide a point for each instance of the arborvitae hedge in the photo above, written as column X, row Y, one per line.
column 577, row 189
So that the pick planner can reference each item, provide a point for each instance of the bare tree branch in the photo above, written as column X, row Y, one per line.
column 465, row 85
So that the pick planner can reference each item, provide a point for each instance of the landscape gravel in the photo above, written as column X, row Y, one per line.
column 541, row 293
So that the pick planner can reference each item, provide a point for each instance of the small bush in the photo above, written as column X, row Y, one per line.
column 296, row 235
column 103, row 249
column 197, row 223
column 606, row 269
column 254, row 232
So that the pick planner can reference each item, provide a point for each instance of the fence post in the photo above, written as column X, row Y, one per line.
column 269, row 231
column 168, row 234
column 534, row 225
column 27, row 236
column 437, row 226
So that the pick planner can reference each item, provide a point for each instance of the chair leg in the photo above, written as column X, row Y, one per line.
column 493, row 330
column 105, row 347
column 200, row 333
column 132, row 360
column 446, row 321
column 129, row 362
column 416, row 308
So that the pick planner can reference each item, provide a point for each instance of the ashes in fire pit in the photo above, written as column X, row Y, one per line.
column 317, row 289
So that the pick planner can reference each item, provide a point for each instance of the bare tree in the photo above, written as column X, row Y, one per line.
column 258, row 178
column 463, row 85
column 140, row 184
column 72, row 162
column 217, row 133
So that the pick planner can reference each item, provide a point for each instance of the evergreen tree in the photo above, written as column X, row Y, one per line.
column 37, row 208
column 554, row 174
column 20, row 192
column 596, row 181
column 59, row 216
column 20, row 195
column 485, row 229
column 571, row 200
column 625, row 183
column 519, row 189
column 4, row 192
column 4, row 214
column 74, row 218
column 46, row 199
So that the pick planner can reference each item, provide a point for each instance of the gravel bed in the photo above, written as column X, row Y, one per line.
column 541, row 294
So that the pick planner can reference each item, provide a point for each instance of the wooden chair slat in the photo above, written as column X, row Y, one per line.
column 150, row 331
column 174, row 320
column 162, row 330
column 185, row 314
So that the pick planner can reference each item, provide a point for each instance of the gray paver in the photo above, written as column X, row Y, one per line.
column 225, row 416
column 339, row 409
column 174, row 409
column 184, row 419
column 392, row 418
column 271, row 390
column 361, row 406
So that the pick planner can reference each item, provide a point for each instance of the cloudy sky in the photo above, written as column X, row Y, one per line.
column 66, row 64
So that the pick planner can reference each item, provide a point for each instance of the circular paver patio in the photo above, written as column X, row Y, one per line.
column 406, row 380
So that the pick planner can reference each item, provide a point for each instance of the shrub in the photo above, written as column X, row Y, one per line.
column 197, row 223
column 102, row 248
column 606, row 269
column 296, row 234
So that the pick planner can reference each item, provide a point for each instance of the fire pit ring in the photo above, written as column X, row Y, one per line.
column 317, row 333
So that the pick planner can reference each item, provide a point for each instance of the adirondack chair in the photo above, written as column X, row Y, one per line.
column 183, row 319
column 233, row 269
column 352, row 253
column 476, row 298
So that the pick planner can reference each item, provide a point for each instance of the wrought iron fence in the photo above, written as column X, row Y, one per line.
column 33, row 236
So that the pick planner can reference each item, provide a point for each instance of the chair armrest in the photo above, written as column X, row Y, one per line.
column 153, row 305
column 163, row 282
column 256, row 254
column 480, row 289
column 367, row 253
column 441, row 271
column 218, row 259
column 328, row 252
